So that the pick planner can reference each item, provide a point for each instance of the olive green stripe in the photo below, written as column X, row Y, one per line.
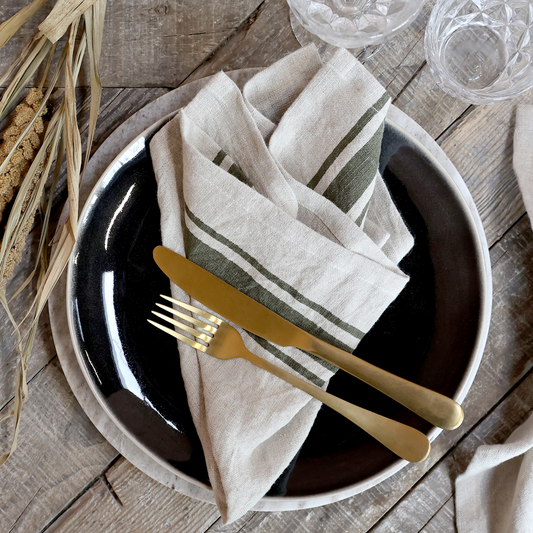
column 219, row 265
column 361, row 217
column 328, row 315
column 219, row 158
column 289, row 361
column 349, row 137
column 357, row 175
column 236, row 171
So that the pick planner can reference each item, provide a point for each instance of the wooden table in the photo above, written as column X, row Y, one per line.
column 64, row 477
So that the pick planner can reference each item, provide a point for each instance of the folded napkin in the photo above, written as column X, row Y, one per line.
column 276, row 190
column 495, row 494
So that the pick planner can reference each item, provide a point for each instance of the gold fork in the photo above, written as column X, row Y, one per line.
column 223, row 341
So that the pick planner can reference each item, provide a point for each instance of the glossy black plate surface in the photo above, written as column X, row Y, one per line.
column 428, row 335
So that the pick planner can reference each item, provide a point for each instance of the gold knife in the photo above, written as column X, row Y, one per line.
column 254, row 317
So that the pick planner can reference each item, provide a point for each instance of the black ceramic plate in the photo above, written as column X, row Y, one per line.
column 431, row 334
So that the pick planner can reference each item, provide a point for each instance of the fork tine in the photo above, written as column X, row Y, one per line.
column 200, row 312
column 200, row 335
column 179, row 336
column 208, row 327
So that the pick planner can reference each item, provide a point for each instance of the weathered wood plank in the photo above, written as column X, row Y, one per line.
column 399, row 59
column 443, row 521
column 150, row 43
column 126, row 500
column 59, row 454
column 262, row 39
column 429, row 105
column 43, row 347
column 481, row 147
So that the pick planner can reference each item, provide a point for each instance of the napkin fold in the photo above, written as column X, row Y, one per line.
column 495, row 493
column 276, row 190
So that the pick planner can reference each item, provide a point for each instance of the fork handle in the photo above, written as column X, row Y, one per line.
column 436, row 408
column 405, row 441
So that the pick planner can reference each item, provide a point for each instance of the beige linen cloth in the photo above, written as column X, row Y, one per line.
column 495, row 494
column 276, row 190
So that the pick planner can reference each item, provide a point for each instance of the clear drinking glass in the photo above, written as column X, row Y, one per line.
column 481, row 50
column 355, row 23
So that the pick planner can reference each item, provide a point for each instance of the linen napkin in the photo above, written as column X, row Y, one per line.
column 276, row 190
column 495, row 493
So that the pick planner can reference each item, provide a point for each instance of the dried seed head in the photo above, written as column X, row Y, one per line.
column 20, row 161
column 17, row 167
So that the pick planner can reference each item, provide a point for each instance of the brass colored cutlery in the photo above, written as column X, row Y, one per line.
column 242, row 310
column 218, row 339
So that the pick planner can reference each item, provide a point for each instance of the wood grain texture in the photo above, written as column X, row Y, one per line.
column 267, row 36
column 43, row 350
column 124, row 500
column 481, row 147
column 152, row 43
column 443, row 521
column 164, row 40
column 59, row 454
column 429, row 105
column 258, row 42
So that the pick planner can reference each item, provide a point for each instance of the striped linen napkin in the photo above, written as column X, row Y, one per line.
column 276, row 190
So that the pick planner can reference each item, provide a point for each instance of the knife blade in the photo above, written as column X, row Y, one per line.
column 254, row 317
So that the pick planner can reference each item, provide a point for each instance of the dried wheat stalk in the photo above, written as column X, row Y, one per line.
column 32, row 152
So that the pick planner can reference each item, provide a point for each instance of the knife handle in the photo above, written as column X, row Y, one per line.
column 432, row 406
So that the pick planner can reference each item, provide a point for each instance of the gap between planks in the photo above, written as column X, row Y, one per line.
column 78, row 496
